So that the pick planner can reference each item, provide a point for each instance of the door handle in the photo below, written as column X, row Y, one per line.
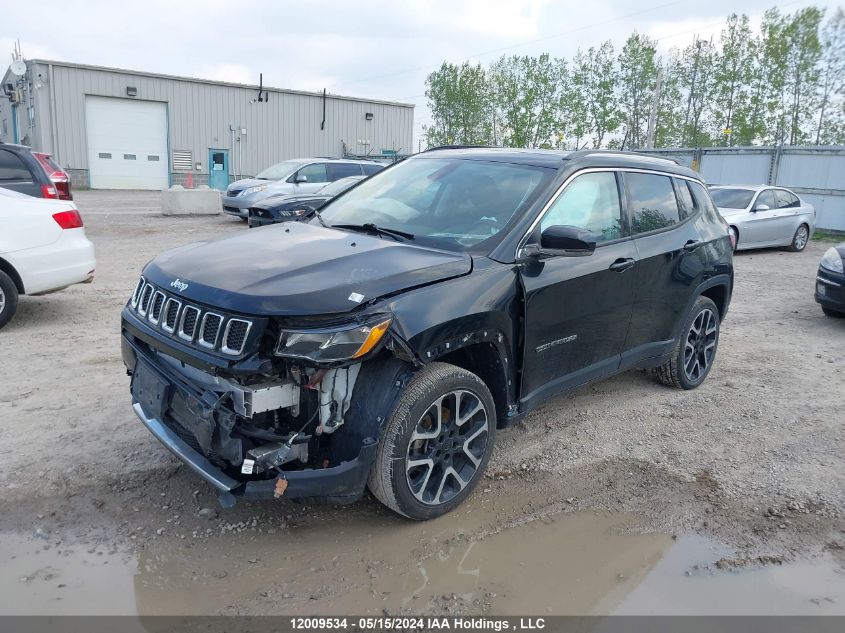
column 622, row 264
column 691, row 245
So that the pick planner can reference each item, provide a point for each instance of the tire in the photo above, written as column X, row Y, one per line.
column 8, row 299
column 428, row 489
column 833, row 313
column 695, row 351
column 735, row 233
column 800, row 239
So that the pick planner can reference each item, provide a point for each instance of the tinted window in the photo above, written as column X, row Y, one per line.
column 279, row 171
column 314, row 173
column 703, row 201
column 732, row 198
column 652, row 201
column 451, row 203
column 589, row 202
column 342, row 170
column 372, row 168
column 786, row 199
column 767, row 197
column 12, row 167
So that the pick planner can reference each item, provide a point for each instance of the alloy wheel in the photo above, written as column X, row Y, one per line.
column 700, row 345
column 447, row 447
column 801, row 236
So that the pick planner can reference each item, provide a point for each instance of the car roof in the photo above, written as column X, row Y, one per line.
column 560, row 158
column 328, row 159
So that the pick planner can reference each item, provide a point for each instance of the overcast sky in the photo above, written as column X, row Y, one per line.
column 370, row 48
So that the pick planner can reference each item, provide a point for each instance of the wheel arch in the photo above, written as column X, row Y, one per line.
column 7, row 268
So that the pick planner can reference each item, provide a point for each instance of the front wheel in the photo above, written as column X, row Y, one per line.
column 436, row 444
column 695, row 352
column 800, row 239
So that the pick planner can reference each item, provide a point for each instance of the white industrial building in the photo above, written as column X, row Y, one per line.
column 122, row 129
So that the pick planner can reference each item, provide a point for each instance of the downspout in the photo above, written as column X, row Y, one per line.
column 53, row 117
column 323, row 122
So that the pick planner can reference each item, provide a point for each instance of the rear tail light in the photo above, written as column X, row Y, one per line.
column 733, row 238
column 49, row 191
column 61, row 180
column 69, row 219
column 62, row 187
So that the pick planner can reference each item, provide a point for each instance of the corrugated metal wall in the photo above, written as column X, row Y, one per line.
column 817, row 174
column 200, row 115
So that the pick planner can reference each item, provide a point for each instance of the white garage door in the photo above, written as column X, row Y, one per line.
column 127, row 143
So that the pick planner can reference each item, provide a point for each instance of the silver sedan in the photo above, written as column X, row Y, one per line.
column 761, row 216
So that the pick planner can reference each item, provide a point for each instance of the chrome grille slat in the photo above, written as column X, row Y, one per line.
column 190, row 316
column 211, row 323
column 146, row 295
column 191, row 323
column 234, row 337
column 155, row 307
column 171, row 314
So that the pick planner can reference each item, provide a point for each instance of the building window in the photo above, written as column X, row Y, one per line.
column 129, row 157
column 152, row 158
column 104, row 155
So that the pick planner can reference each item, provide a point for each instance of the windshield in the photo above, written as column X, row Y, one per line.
column 339, row 186
column 279, row 170
column 451, row 203
column 732, row 198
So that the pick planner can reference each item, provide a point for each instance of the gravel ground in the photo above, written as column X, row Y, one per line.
column 755, row 458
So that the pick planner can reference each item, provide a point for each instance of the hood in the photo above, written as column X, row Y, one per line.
column 246, row 183
column 276, row 201
column 296, row 269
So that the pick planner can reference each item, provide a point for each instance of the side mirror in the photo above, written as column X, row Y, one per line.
column 567, row 240
column 761, row 207
column 300, row 178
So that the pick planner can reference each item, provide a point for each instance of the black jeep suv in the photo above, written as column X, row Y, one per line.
column 384, row 342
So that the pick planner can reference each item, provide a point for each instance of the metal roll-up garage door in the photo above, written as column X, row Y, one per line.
column 127, row 143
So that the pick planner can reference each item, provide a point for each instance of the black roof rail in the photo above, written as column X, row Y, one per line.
column 431, row 149
column 581, row 153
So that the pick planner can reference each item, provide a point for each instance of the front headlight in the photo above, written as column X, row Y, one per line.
column 254, row 189
column 832, row 260
column 331, row 346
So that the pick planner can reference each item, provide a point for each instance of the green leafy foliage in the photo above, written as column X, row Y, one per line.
column 783, row 83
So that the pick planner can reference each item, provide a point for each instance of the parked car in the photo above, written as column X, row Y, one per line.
column 760, row 216
column 43, row 248
column 830, row 281
column 301, row 176
column 32, row 173
column 297, row 207
column 385, row 341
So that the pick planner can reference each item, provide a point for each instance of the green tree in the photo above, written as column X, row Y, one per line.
column 832, row 81
column 802, row 71
column 600, row 79
column 669, row 130
column 637, row 77
column 696, row 70
column 732, row 81
column 460, row 101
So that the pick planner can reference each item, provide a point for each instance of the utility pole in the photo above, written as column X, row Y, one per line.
column 652, row 117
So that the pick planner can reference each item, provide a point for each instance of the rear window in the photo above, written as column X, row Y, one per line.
column 652, row 202
column 786, row 199
column 732, row 198
column 372, row 168
column 12, row 168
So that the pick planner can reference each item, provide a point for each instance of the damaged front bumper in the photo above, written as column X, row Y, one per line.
column 341, row 483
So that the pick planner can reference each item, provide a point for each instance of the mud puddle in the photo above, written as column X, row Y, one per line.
column 498, row 555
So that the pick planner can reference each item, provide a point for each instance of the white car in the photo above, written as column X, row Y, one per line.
column 761, row 216
column 43, row 248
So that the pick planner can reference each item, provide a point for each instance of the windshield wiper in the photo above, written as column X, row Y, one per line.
column 369, row 227
column 320, row 218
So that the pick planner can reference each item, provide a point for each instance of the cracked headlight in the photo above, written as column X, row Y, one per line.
column 334, row 345
column 832, row 260
column 254, row 189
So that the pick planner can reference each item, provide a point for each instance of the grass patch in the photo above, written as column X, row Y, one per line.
column 828, row 236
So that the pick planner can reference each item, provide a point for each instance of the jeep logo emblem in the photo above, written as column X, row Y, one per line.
column 180, row 285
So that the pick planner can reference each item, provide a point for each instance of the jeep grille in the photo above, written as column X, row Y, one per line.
column 209, row 329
